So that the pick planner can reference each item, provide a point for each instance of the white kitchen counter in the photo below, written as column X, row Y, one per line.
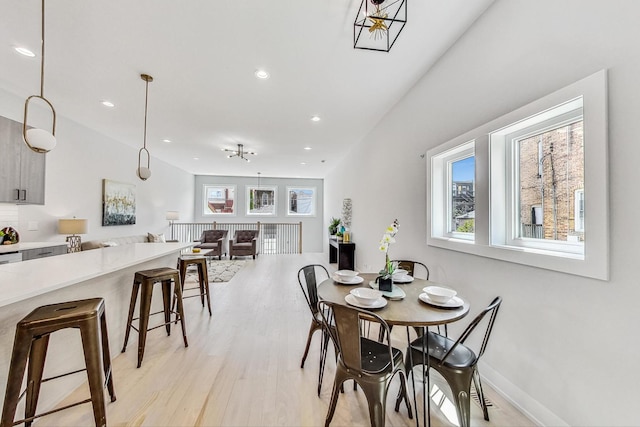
column 106, row 273
column 28, row 245
column 22, row 280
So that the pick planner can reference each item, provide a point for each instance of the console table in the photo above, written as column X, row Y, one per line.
column 342, row 253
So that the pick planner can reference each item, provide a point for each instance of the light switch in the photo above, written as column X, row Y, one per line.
column 32, row 226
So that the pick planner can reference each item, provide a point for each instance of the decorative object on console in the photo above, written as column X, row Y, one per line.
column 384, row 22
column 73, row 227
column 171, row 217
column 144, row 172
column 346, row 213
column 239, row 152
column 388, row 238
column 118, row 203
column 333, row 226
column 40, row 140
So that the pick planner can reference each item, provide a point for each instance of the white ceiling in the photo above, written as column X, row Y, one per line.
column 203, row 55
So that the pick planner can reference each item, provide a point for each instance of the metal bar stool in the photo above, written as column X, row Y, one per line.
column 30, row 346
column 147, row 278
column 203, row 278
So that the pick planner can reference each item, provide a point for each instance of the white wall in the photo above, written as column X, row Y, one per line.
column 73, row 186
column 565, row 348
column 312, row 226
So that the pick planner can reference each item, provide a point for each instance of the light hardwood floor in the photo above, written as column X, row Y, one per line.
column 242, row 366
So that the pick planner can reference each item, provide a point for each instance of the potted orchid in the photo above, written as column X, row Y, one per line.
column 388, row 238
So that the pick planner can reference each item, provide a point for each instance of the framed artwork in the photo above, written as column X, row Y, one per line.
column 301, row 201
column 118, row 203
column 219, row 200
column 262, row 200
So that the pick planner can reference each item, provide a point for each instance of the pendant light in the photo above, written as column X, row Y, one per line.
column 40, row 140
column 144, row 172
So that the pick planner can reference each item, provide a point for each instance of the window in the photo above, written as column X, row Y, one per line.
column 533, row 168
column 219, row 200
column 542, row 159
column 454, row 186
column 301, row 201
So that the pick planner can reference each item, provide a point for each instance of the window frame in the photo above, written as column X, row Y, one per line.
column 504, row 144
column 205, row 204
column 490, row 179
column 442, row 189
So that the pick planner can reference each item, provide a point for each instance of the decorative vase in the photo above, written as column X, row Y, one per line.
column 385, row 283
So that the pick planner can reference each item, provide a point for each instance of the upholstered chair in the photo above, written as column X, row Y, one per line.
column 244, row 243
column 215, row 241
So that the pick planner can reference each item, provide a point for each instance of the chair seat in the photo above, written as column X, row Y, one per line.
column 461, row 357
column 375, row 355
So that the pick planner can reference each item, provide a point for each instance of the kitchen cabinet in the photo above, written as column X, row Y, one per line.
column 22, row 171
column 28, row 254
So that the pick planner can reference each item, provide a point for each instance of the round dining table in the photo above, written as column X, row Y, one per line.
column 408, row 311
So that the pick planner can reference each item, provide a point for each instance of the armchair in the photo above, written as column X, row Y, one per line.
column 244, row 243
column 215, row 241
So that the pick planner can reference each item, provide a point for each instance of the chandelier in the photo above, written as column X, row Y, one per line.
column 239, row 152
column 383, row 20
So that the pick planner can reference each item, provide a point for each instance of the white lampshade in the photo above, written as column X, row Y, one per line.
column 72, row 226
column 143, row 173
column 173, row 215
column 40, row 139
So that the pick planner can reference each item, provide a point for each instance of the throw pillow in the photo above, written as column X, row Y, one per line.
column 156, row 238
column 109, row 244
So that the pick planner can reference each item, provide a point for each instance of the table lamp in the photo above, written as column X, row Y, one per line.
column 73, row 227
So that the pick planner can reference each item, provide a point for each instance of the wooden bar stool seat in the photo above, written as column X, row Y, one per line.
column 30, row 347
column 203, row 278
column 146, row 279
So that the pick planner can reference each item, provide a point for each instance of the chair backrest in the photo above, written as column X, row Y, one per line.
column 415, row 268
column 245, row 236
column 348, row 321
column 210, row 236
column 308, row 280
column 491, row 308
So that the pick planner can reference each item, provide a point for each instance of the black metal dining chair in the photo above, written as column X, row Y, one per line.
column 456, row 362
column 308, row 277
column 371, row 364
column 414, row 268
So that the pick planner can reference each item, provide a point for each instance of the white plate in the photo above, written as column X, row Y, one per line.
column 454, row 302
column 356, row 280
column 379, row 303
column 403, row 279
column 393, row 294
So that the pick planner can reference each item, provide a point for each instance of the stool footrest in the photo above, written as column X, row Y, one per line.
column 53, row 411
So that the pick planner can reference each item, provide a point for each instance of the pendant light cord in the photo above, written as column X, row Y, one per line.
column 146, row 103
column 42, row 52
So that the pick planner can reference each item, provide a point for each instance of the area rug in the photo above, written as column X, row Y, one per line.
column 224, row 270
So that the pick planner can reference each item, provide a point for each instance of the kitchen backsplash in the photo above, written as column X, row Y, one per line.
column 8, row 215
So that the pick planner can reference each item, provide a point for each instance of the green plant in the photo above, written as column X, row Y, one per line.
column 333, row 226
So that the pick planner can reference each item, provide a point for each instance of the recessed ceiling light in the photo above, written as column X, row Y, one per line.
column 107, row 103
column 315, row 118
column 303, row 163
column 166, row 140
column 262, row 74
column 307, row 148
column 24, row 51
column 196, row 158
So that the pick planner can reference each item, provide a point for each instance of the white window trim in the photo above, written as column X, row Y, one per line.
column 504, row 192
column 595, row 261
column 442, row 190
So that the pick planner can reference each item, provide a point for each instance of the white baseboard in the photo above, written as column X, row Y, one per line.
column 526, row 404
